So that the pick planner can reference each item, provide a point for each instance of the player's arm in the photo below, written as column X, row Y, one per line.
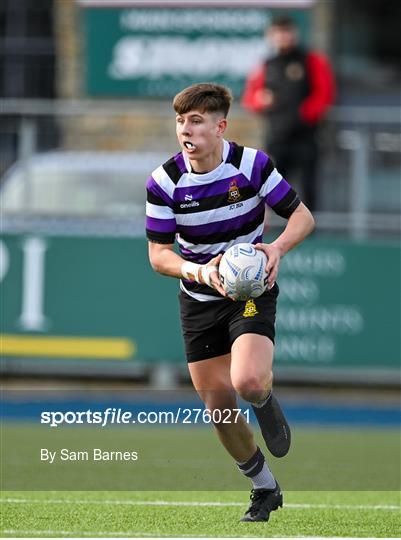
column 281, row 198
column 164, row 260
column 299, row 225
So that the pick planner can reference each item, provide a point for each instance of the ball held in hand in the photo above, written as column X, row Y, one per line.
column 243, row 272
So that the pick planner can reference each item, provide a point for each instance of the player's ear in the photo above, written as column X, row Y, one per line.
column 221, row 126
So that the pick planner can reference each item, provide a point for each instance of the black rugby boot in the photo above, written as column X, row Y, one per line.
column 263, row 501
column 274, row 427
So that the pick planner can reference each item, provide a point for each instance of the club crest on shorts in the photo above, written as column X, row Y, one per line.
column 250, row 309
column 233, row 192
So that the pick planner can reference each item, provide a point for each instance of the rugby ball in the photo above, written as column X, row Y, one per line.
column 242, row 272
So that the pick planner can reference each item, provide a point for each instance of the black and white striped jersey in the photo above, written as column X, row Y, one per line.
column 208, row 213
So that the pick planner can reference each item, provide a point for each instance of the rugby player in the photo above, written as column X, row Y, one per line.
column 208, row 197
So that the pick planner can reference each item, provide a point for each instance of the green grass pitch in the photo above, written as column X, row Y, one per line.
column 207, row 514
column 336, row 482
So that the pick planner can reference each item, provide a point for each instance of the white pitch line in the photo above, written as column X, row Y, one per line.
column 136, row 534
column 130, row 534
column 80, row 534
column 202, row 503
column 60, row 533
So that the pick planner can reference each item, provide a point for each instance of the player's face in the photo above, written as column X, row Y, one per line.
column 199, row 134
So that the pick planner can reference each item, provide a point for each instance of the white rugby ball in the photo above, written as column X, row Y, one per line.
column 242, row 272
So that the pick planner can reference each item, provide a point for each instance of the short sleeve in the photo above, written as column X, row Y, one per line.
column 274, row 189
column 160, row 219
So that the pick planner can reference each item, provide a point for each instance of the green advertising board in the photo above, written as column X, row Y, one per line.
column 98, row 298
column 337, row 309
column 137, row 51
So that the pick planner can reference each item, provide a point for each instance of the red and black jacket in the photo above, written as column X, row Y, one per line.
column 303, row 86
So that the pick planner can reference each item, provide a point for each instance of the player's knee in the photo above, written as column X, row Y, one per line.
column 253, row 389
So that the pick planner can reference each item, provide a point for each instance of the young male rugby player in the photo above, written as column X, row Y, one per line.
column 208, row 197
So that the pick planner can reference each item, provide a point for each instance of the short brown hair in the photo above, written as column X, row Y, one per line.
column 203, row 97
column 284, row 22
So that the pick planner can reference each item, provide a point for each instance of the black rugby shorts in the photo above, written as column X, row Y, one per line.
column 210, row 328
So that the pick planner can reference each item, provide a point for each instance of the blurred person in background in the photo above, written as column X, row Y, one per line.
column 207, row 198
column 293, row 89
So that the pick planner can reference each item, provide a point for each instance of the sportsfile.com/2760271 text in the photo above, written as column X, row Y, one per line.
column 112, row 415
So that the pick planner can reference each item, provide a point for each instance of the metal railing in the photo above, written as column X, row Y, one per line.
column 355, row 134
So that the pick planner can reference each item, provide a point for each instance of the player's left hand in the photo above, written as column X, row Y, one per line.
column 273, row 261
column 215, row 281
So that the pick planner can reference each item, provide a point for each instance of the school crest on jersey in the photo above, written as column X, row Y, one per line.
column 250, row 309
column 234, row 194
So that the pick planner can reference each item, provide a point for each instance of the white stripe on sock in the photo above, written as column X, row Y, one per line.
column 264, row 479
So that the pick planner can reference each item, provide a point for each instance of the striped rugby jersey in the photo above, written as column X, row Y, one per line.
column 208, row 213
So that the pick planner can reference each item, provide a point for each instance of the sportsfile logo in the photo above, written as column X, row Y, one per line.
column 114, row 415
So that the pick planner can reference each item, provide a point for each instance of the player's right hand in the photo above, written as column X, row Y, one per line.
column 215, row 280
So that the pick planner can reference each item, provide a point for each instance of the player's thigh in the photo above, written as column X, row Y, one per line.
column 251, row 362
column 204, row 332
column 252, row 332
column 212, row 381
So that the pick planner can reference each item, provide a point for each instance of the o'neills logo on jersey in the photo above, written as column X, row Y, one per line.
column 233, row 192
column 189, row 205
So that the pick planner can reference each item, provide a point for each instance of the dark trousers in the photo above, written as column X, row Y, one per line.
column 296, row 160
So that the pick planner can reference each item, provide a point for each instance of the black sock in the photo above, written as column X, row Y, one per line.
column 262, row 403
